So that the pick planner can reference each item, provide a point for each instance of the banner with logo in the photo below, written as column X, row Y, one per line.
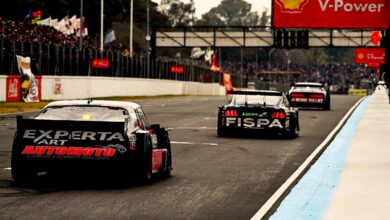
column 29, row 87
column 370, row 55
column 370, row 14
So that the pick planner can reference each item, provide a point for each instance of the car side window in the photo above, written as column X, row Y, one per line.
column 142, row 118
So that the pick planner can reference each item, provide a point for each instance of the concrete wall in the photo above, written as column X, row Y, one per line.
column 3, row 80
column 72, row 87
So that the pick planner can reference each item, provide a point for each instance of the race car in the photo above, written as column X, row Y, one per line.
column 309, row 95
column 90, row 135
column 258, row 112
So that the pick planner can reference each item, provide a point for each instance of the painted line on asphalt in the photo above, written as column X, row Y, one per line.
column 193, row 128
column 8, row 168
column 190, row 143
column 261, row 213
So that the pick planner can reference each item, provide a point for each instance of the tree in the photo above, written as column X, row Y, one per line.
column 232, row 13
column 265, row 19
column 178, row 12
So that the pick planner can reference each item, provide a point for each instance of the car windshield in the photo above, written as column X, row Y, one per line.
column 83, row 113
column 240, row 100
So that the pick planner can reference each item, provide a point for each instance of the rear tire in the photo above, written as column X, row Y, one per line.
column 327, row 104
column 221, row 132
column 168, row 165
column 294, row 129
column 21, row 172
column 144, row 174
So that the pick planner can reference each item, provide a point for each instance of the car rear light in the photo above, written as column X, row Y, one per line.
column 231, row 113
column 297, row 95
column 316, row 96
column 278, row 115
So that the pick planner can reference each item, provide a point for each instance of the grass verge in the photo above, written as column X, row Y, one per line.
column 12, row 107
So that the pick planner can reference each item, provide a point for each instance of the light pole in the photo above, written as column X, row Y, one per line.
column 131, row 27
column 148, row 37
column 288, row 66
column 81, row 23
column 269, row 58
column 101, row 24
column 269, row 63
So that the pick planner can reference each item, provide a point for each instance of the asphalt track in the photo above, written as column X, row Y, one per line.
column 213, row 178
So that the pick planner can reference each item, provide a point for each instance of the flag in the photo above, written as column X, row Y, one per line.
column 29, row 88
column 45, row 22
column 110, row 37
column 197, row 52
column 53, row 22
column 36, row 17
column 29, row 14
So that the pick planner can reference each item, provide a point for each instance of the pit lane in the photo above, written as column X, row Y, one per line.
column 229, row 180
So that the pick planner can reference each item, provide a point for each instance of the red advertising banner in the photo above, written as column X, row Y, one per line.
column 370, row 55
column 13, row 88
column 362, row 14
column 177, row 69
column 101, row 63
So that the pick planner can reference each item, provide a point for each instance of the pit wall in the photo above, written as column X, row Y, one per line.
column 72, row 87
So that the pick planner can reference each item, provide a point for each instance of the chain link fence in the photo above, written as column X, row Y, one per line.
column 67, row 61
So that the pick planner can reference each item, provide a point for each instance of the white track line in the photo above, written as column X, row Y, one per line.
column 8, row 168
column 190, row 143
column 286, row 185
column 193, row 128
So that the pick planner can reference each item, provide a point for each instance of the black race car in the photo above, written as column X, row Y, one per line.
column 309, row 95
column 258, row 112
column 84, row 136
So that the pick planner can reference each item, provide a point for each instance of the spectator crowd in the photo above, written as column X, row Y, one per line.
column 337, row 76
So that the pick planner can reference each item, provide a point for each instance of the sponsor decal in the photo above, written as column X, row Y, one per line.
column 68, row 152
column 157, row 159
column 331, row 14
column 292, row 6
column 100, row 63
column 308, row 100
column 370, row 55
column 253, row 123
column 255, row 114
column 60, row 137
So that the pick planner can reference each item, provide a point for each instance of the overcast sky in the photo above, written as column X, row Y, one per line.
column 203, row 6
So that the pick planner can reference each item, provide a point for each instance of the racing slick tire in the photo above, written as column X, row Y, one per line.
column 144, row 172
column 21, row 172
column 221, row 132
column 168, row 164
column 327, row 104
column 294, row 128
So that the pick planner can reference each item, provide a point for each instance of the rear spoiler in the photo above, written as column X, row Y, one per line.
column 308, row 85
column 257, row 92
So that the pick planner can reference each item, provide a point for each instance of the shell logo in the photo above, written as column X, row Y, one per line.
column 360, row 56
column 292, row 6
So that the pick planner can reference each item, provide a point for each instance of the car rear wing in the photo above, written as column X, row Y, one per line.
column 307, row 85
column 256, row 92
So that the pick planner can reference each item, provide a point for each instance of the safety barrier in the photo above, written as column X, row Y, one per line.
column 73, row 87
